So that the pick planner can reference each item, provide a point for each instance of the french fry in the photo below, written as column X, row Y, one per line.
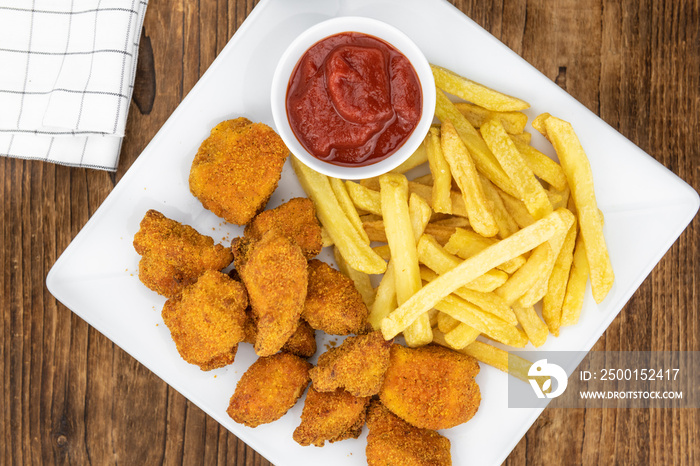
column 426, row 192
column 524, row 240
column 445, row 322
column 484, row 160
column 538, row 124
column 513, row 122
column 539, row 289
column 419, row 212
column 341, row 194
column 492, row 356
column 580, row 178
column 527, row 275
column 360, row 279
column 522, row 138
column 375, row 231
column 576, row 286
column 436, row 258
column 535, row 329
column 481, row 321
column 474, row 92
column 384, row 299
column 553, row 300
column 371, row 183
column 452, row 222
column 426, row 179
column 399, row 233
column 506, row 224
column 352, row 246
column 418, row 157
column 487, row 301
column 461, row 336
column 531, row 191
column 542, row 166
column 383, row 251
column 466, row 243
column 517, row 210
column 325, row 238
column 364, row 198
column 465, row 174
column 440, row 169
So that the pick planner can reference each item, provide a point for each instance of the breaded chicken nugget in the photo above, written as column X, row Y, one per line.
column 237, row 168
column 273, row 270
column 431, row 387
column 302, row 342
column 331, row 416
column 174, row 255
column 333, row 304
column 268, row 389
column 394, row 442
column 357, row 365
column 207, row 321
column 297, row 221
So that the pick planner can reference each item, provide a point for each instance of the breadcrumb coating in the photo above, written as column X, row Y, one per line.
column 237, row 168
column 174, row 255
column 268, row 389
column 391, row 441
column 431, row 387
column 273, row 270
column 357, row 365
column 330, row 416
column 296, row 219
column 302, row 342
column 207, row 321
column 333, row 304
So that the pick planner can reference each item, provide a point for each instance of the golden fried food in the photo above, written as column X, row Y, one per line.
column 357, row 365
column 302, row 342
column 174, row 255
column 333, row 304
column 268, row 389
column 237, row 168
column 330, row 416
column 394, row 442
column 273, row 270
column 296, row 219
column 207, row 321
column 431, row 387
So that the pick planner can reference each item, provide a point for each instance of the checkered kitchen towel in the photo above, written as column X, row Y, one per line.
column 66, row 78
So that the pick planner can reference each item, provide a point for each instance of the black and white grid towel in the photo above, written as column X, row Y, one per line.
column 66, row 78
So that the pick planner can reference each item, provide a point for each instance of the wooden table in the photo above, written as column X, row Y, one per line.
column 69, row 395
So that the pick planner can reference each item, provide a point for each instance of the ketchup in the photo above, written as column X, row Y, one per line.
column 353, row 99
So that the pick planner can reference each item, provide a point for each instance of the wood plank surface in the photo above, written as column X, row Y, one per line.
column 68, row 395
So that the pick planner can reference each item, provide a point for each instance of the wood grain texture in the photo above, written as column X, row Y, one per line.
column 68, row 395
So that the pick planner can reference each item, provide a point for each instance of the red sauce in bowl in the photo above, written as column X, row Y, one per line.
column 353, row 99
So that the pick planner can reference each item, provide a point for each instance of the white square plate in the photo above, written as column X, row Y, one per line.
column 646, row 208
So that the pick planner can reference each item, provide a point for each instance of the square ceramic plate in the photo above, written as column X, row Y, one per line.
column 646, row 208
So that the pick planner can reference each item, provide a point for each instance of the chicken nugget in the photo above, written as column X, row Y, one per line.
column 431, row 387
column 330, row 416
column 174, row 255
column 273, row 270
column 237, row 168
column 391, row 441
column 268, row 389
column 207, row 321
column 357, row 365
column 302, row 342
column 333, row 304
column 296, row 219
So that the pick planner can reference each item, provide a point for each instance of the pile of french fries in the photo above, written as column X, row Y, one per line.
column 498, row 240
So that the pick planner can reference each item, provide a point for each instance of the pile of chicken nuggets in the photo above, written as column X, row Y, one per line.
column 275, row 297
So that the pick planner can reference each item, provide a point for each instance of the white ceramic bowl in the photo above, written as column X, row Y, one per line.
column 372, row 27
